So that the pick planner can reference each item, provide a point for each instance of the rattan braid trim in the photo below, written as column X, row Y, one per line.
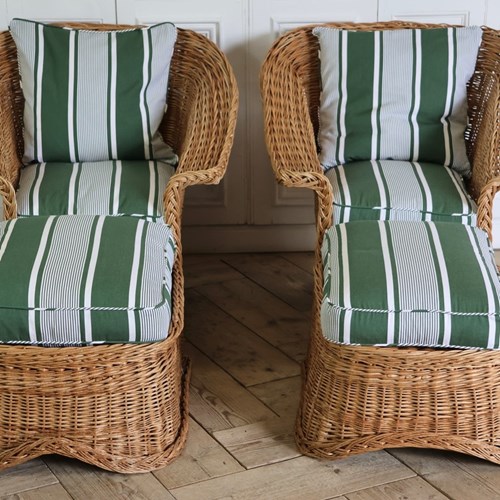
column 8, row 195
column 359, row 399
column 290, row 88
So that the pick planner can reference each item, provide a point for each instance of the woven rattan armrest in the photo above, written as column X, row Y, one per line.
column 485, row 181
column 288, row 126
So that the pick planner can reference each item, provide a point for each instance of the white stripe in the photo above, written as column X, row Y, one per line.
column 489, row 291
column 347, row 194
column 112, row 104
column 35, row 270
column 416, row 90
column 389, row 283
column 133, row 281
column 427, row 191
column 72, row 188
column 116, row 191
column 466, row 208
column 343, row 104
column 71, row 96
column 376, row 90
column 447, row 108
column 152, row 189
column 7, row 236
column 145, row 76
column 39, row 78
column 347, row 285
column 36, row 189
column 381, row 189
column 87, row 300
column 445, row 282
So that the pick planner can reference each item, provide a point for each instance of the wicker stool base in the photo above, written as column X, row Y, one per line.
column 120, row 407
column 358, row 399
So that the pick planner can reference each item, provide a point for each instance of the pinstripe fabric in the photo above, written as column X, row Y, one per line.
column 104, row 298
column 399, row 190
column 93, row 95
column 395, row 94
column 94, row 188
column 410, row 283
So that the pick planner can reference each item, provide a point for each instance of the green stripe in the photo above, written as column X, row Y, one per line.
column 425, row 207
column 434, row 81
column 453, row 89
column 379, row 107
column 360, row 50
column 35, row 95
column 85, row 273
column 32, row 189
column 108, row 101
column 397, row 306
column 139, row 284
column 339, row 106
column 38, row 284
column 75, row 99
column 112, row 189
column 77, row 188
column 150, row 64
column 156, row 209
column 130, row 54
column 55, row 95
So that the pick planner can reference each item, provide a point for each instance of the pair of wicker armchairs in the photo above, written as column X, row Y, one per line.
column 124, row 407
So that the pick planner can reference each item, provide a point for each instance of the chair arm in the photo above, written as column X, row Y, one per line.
column 8, row 195
column 484, row 182
column 202, row 107
column 288, row 129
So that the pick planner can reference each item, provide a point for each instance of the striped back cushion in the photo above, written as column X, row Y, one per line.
column 399, row 190
column 83, row 279
column 410, row 283
column 92, row 95
column 94, row 188
column 396, row 94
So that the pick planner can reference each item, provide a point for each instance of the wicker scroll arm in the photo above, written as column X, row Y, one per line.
column 483, row 135
column 200, row 120
column 485, row 181
column 288, row 128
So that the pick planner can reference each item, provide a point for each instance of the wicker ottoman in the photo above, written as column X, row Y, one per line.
column 90, row 365
column 404, row 346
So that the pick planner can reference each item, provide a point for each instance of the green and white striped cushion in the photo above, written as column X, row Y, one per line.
column 396, row 94
column 405, row 283
column 93, row 95
column 399, row 190
column 94, row 188
column 77, row 280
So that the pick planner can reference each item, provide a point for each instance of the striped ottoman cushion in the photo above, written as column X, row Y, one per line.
column 94, row 188
column 396, row 94
column 78, row 280
column 399, row 190
column 93, row 95
column 405, row 283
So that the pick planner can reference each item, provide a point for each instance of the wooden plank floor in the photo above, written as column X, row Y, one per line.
column 247, row 322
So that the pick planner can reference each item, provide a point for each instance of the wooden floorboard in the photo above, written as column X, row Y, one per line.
column 247, row 325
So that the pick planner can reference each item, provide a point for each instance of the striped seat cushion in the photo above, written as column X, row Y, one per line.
column 406, row 283
column 93, row 95
column 81, row 279
column 396, row 94
column 399, row 190
column 94, row 188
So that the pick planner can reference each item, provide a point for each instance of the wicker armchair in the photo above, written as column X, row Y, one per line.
column 359, row 399
column 120, row 407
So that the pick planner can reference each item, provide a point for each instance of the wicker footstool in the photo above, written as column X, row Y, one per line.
column 404, row 350
column 90, row 365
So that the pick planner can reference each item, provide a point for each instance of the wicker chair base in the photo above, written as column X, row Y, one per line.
column 120, row 407
column 358, row 399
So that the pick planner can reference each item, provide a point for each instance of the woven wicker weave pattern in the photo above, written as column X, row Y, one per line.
column 359, row 399
column 120, row 407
